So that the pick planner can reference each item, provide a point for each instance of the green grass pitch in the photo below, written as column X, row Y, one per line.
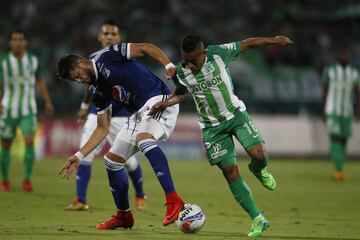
column 306, row 204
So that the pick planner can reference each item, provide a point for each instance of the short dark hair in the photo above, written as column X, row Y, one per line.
column 66, row 64
column 191, row 42
column 110, row 22
column 18, row 30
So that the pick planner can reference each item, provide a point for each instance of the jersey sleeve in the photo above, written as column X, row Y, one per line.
column 227, row 51
column 120, row 51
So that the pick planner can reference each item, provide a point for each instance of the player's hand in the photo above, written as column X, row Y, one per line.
column 69, row 167
column 170, row 73
column 283, row 41
column 82, row 115
column 49, row 109
column 158, row 107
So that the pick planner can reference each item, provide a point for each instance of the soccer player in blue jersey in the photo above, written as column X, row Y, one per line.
column 108, row 34
column 114, row 74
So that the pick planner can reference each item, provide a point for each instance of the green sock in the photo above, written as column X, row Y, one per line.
column 243, row 196
column 29, row 161
column 5, row 162
column 257, row 166
column 337, row 151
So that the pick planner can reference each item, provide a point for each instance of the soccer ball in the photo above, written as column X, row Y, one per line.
column 191, row 219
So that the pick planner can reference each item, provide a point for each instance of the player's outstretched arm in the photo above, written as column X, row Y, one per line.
column 100, row 133
column 146, row 49
column 177, row 96
column 264, row 41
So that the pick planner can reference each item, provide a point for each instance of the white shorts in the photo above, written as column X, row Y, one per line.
column 160, row 126
column 116, row 125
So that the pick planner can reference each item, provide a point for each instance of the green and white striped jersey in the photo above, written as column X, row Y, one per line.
column 212, row 87
column 18, row 77
column 341, row 82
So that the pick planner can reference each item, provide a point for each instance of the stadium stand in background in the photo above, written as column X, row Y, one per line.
column 269, row 81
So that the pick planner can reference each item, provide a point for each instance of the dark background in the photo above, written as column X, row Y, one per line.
column 269, row 80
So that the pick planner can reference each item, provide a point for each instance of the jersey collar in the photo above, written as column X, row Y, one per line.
column 13, row 56
column 95, row 69
column 186, row 69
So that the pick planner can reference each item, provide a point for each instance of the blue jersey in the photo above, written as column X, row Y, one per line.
column 123, row 79
column 117, row 109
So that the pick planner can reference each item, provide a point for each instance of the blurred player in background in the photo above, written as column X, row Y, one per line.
column 222, row 115
column 340, row 82
column 114, row 74
column 108, row 34
column 19, row 73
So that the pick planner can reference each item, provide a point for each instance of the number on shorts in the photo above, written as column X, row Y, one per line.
column 250, row 127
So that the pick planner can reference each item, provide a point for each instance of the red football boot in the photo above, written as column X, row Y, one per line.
column 122, row 219
column 174, row 205
column 5, row 186
column 27, row 186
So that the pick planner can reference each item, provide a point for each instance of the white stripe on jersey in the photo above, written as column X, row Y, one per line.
column 15, row 78
column 6, row 87
column 347, row 106
column 27, row 77
column 338, row 89
column 329, row 108
column 35, row 66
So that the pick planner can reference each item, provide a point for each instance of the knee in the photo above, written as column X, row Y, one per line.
column 257, row 152
column 113, row 162
column 231, row 172
column 143, row 136
column 113, row 157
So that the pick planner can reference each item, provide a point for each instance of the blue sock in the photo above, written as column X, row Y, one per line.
column 82, row 179
column 119, row 184
column 137, row 180
column 158, row 162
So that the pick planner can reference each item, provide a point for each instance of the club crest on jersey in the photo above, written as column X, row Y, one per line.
column 209, row 68
column 119, row 93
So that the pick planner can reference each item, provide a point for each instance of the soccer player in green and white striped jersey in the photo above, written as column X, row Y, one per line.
column 222, row 115
column 19, row 72
column 340, row 82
